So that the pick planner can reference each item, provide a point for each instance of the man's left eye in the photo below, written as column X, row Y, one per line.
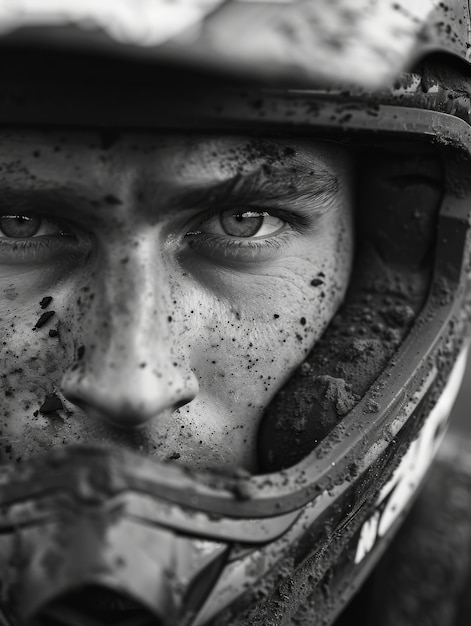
column 24, row 226
column 242, row 224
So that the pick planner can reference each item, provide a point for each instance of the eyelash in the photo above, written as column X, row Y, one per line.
column 234, row 245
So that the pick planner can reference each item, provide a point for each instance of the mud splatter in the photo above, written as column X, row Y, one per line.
column 51, row 404
column 45, row 302
column 44, row 319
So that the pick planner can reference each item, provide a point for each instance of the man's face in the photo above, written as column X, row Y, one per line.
column 189, row 276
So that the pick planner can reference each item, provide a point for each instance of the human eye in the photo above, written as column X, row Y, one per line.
column 241, row 224
column 28, row 237
column 244, row 234
column 26, row 226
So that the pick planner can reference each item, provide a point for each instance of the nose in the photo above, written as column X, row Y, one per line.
column 128, row 394
column 130, row 368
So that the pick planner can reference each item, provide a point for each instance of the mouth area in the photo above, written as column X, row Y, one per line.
column 94, row 605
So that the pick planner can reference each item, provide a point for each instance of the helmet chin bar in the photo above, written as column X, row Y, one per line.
column 189, row 548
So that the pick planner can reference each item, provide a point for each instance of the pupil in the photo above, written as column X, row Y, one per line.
column 19, row 226
column 240, row 225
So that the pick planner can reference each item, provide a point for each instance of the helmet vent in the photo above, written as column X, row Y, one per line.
column 94, row 606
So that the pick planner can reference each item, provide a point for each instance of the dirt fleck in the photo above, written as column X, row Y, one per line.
column 45, row 317
column 337, row 391
column 174, row 456
column 112, row 200
column 51, row 404
column 371, row 406
column 45, row 302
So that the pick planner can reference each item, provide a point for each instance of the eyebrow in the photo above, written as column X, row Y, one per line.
column 58, row 202
column 265, row 183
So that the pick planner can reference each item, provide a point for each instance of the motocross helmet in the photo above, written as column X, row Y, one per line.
column 98, row 535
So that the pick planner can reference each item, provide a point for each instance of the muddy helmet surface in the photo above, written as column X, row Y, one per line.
column 95, row 534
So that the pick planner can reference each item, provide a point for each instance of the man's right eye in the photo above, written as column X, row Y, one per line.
column 25, row 226
column 37, row 239
column 19, row 226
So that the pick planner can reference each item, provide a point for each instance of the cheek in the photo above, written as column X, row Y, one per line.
column 32, row 360
column 254, row 329
column 29, row 329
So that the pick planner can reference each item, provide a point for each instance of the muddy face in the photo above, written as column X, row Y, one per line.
column 158, row 290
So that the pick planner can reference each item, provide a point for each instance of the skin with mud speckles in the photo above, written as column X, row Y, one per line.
column 170, row 335
column 387, row 289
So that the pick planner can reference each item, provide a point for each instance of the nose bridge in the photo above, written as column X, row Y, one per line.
column 136, row 300
column 131, row 367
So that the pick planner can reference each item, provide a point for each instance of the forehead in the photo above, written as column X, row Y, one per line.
column 218, row 154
